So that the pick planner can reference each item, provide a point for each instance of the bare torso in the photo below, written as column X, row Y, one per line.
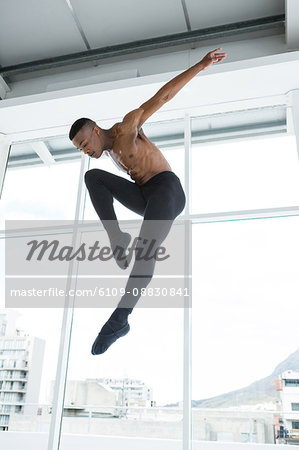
column 135, row 154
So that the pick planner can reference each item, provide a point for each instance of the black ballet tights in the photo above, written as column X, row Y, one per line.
column 160, row 199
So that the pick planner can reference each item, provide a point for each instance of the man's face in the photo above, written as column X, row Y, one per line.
column 88, row 140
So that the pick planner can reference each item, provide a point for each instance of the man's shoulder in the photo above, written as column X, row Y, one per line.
column 132, row 115
column 132, row 119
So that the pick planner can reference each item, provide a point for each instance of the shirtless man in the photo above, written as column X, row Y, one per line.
column 155, row 192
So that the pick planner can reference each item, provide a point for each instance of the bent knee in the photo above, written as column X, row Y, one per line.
column 93, row 175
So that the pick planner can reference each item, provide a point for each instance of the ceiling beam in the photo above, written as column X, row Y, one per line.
column 146, row 45
column 43, row 152
column 292, row 24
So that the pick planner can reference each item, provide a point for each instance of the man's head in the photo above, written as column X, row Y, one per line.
column 86, row 136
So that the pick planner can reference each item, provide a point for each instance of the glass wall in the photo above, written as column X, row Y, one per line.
column 246, row 174
column 245, row 309
column 40, row 192
column 29, row 337
column 245, row 291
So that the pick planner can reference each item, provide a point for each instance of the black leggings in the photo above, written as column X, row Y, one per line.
column 161, row 198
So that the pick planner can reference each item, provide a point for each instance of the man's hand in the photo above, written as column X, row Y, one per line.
column 212, row 58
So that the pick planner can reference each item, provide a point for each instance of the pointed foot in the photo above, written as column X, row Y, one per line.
column 105, row 340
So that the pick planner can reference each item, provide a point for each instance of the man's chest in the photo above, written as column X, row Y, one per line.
column 131, row 151
column 127, row 147
column 124, row 154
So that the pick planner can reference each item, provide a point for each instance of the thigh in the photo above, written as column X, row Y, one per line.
column 165, row 201
column 126, row 192
column 165, row 197
column 159, row 216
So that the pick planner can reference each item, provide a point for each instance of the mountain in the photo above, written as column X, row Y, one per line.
column 261, row 391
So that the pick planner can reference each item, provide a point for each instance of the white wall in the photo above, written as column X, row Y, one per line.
column 250, row 83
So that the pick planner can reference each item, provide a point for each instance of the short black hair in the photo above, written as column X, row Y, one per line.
column 77, row 125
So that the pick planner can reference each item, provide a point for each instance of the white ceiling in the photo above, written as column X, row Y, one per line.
column 211, row 13
column 36, row 29
column 109, row 22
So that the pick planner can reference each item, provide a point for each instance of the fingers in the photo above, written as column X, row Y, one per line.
column 218, row 54
column 218, row 57
column 216, row 50
column 215, row 57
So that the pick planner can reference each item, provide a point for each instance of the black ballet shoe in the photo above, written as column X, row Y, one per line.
column 119, row 245
column 104, row 341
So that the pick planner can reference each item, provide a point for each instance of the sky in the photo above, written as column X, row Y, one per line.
column 245, row 274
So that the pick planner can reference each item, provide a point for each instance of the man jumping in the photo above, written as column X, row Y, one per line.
column 156, row 192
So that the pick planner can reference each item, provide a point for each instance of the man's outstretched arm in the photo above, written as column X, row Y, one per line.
column 170, row 89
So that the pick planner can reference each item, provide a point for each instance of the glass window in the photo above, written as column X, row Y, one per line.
column 33, row 193
column 135, row 389
column 245, row 174
column 245, row 288
column 40, row 193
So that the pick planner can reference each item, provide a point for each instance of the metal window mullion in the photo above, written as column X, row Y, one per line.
column 294, row 97
column 66, row 327
column 266, row 213
column 187, row 370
